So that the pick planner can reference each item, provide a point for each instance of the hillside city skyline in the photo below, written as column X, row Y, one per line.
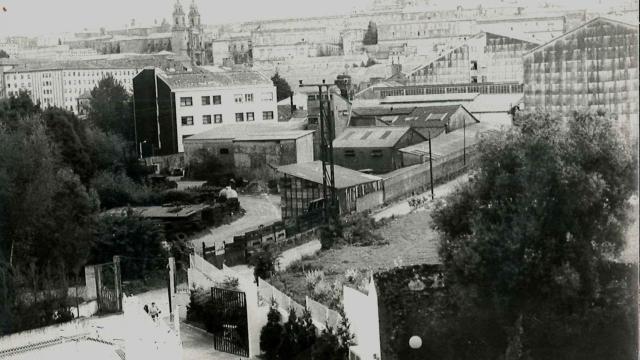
column 20, row 18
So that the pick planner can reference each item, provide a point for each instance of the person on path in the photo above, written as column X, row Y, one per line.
column 154, row 311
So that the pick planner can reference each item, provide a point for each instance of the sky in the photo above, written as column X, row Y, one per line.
column 39, row 17
column 36, row 17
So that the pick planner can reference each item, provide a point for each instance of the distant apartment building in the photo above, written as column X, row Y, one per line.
column 592, row 66
column 60, row 84
column 282, row 44
column 49, row 53
column 170, row 106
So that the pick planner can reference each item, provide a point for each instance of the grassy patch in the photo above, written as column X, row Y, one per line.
column 410, row 241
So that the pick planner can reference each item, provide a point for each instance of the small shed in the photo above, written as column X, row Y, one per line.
column 253, row 151
column 374, row 149
column 301, row 188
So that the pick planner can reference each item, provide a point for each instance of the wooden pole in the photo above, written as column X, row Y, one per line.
column 430, row 166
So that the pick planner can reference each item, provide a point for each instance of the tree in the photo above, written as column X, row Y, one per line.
column 531, row 236
column 283, row 90
column 70, row 137
column 130, row 235
column 111, row 109
column 3, row 54
column 263, row 263
column 271, row 334
column 15, row 108
column 371, row 36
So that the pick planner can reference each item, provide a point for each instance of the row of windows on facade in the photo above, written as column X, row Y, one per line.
column 217, row 99
column 80, row 74
column 217, row 118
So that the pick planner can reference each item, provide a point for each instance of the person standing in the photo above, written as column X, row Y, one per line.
column 154, row 311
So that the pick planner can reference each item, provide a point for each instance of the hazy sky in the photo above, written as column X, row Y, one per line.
column 36, row 17
column 55, row 16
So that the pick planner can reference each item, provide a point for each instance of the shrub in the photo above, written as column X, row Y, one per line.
column 271, row 334
column 117, row 189
column 313, row 277
column 230, row 283
column 263, row 263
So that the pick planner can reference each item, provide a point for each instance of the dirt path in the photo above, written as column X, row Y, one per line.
column 260, row 209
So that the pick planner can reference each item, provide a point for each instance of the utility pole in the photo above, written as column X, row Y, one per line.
column 430, row 165
column 327, row 134
column 464, row 142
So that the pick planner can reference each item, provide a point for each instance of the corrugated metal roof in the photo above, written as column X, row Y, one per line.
column 370, row 137
column 312, row 171
column 236, row 131
column 451, row 142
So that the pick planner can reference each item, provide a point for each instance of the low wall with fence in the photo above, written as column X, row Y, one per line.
column 321, row 315
column 416, row 178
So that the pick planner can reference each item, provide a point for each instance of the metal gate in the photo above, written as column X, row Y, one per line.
column 230, row 332
column 108, row 288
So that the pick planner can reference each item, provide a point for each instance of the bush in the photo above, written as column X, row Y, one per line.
column 117, row 189
column 263, row 263
column 271, row 334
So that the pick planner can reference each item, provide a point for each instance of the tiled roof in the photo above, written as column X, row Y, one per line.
column 381, row 110
column 214, row 79
column 431, row 116
column 370, row 137
column 312, row 171
column 121, row 63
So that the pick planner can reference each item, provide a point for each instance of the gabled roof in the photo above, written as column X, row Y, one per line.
column 381, row 110
column 371, row 137
column 430, row 116
column 586, row 24
column 451, row 142
column 343, row 177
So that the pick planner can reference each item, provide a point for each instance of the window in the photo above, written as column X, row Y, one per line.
column 248, row 97
column 376, row 153
column 312, row 98
column 187, row 120
column 313, row 121
column 206, row 119
column 217, row 118
column 216, row 100
column 206, row 100
column 267, row 96
column 250, row 116
column 237, row 98
column 186, row 101
column 349, row 153
column 224, row 151
column 267, row 115
column 239, row 117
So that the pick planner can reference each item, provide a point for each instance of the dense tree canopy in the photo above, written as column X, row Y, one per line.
column 533, row 234
column 111, row 109
column 371, row 36
column 283, row 90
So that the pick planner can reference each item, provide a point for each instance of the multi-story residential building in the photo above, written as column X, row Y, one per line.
column 484, row 57
column 61, row 83
column 49, row 53
column 592, row 66
column 281, row 44
column 170, row 106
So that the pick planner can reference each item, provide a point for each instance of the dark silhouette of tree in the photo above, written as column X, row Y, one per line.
column 531, row 238
column 371, row 36
column 111, row 108
column 283, row 90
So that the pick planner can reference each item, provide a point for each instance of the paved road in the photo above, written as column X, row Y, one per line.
column 260, row 209
column 402, row 207
column 197, row 344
